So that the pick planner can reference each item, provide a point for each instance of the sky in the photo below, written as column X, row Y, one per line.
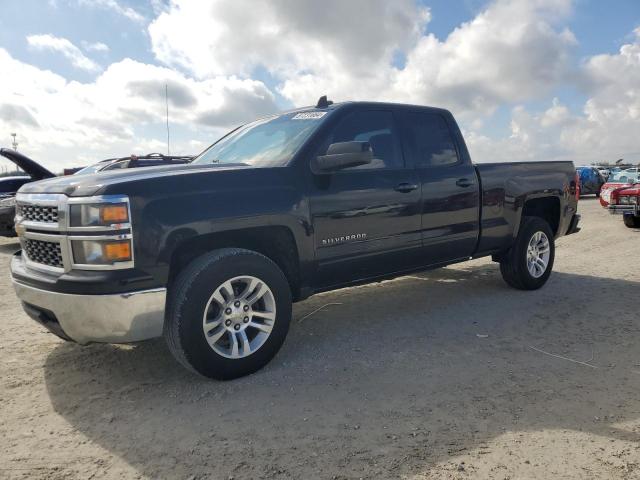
column 84, row 80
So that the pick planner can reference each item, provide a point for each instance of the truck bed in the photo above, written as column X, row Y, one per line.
column 504, row 187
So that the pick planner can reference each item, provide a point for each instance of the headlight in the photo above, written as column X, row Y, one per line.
column 623, row 200
column 633, row 199
column 98, row 215
column 8, row 202
column 98, row 236
column 101, row 252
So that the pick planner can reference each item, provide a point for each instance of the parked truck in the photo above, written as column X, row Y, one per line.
column 212, row 254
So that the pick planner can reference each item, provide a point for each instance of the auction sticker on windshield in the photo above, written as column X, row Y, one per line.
column 308, row 115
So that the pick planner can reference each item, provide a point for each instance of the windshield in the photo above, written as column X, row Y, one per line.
column 623, row 177
column 270, row 142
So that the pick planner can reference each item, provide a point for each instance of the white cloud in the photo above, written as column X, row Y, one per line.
column 115, row 7
column 100, row 119
column 286, row 37
column 95, row 47
column 557, row 115
column 64, row 47
column 611, row 118
column 605, row 130
column 509, row 52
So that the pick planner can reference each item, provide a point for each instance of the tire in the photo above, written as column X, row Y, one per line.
column 200, row 295
column 514, row 266
column 631, row 221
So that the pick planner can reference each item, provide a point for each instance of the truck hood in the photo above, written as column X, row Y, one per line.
column 632, row 190
column 92, row 184
column 30, row 167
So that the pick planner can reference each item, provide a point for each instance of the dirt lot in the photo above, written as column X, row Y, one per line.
column 437, row 375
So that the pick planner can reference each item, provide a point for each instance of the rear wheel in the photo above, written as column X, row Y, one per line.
column 631, row 221
column 528, row 264
column 228, row 313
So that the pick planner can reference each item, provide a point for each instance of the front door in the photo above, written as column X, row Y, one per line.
column 366, row 219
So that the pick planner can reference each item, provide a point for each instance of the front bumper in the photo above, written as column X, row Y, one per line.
column 115, row 318
column 630, row 209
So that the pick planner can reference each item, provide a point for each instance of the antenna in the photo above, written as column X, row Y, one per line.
column 166, row 101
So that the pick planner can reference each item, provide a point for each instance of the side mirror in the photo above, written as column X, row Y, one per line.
column 342, row 155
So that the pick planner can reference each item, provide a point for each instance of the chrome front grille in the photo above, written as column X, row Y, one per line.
column 38, row 213
column 45, row 253
column 48, row 236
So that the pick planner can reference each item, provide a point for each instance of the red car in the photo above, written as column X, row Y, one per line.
column 616, row 181
column 626, row 202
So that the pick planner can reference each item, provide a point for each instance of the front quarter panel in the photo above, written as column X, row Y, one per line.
column 170, row 209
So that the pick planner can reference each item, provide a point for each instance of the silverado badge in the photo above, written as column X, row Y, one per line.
column 343, row 239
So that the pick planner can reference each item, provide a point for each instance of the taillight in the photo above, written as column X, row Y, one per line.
column 613, row 199
column 577, row 188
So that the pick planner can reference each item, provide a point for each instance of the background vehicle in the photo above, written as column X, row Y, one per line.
column 617, row 180
column 591, row 180
column 211, row 254
column 625, row 201
column 605, row 172
column 135, row 161
column 10, row 185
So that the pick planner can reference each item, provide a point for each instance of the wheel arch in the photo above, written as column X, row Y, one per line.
column 547, row 208
column 274, row 242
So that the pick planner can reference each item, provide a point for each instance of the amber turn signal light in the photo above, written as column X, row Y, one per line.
column 117, row 251
column 117, row 213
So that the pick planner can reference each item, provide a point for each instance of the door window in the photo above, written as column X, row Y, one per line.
column 375, row 127
column 430, row 140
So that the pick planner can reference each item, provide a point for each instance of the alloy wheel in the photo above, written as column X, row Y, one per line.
column 239, row 317
column 538, row 253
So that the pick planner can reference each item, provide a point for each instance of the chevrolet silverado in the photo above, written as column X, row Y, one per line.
column 212, row 254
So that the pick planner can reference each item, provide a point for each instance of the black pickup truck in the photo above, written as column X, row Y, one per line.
column 212, row 254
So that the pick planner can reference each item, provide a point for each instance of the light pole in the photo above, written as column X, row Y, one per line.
column 14, row 144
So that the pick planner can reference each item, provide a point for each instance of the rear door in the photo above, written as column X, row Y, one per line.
column 450, row 190
column 366, row 219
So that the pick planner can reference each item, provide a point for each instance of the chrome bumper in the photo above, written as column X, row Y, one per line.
column 630, row 209
column 118, row 318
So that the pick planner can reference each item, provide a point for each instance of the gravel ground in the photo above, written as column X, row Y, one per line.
column 436, row 375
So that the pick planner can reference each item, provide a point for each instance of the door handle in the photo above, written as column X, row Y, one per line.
column 464, row 183
column 406, row 187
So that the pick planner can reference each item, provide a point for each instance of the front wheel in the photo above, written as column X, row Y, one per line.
column 528, row 264
column 631, row 221
column 228, row 313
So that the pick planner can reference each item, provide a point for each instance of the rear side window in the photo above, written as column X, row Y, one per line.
column 375, row 127
column 430, row 140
